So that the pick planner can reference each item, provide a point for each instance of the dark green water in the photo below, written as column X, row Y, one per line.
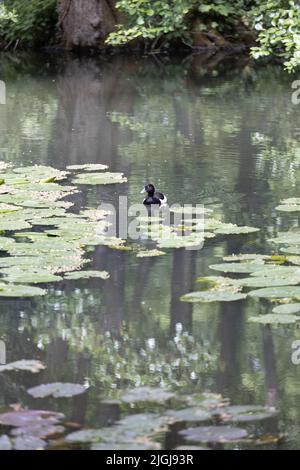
column 199, row 129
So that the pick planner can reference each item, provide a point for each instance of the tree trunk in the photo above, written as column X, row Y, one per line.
column 86, row 23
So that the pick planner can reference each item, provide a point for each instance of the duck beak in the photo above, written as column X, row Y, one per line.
column 143, row 191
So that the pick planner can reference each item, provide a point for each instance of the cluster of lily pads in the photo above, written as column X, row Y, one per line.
column 275, row 277
column 191, row 227
column 205, row 418
column 41, row 239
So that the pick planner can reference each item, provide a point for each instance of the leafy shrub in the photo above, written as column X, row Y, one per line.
column 31, row 22
column 278, row 25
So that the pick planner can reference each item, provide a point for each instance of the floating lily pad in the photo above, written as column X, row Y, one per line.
column 25, row 418
column 5, row 443
column 245, row 413
column 288, row 208
column 246, row 257
column 146, row 394
column 287, row 308
column 24, row 365
column 221, row 434
column 88, row 167
column 32, row 276
column 212, row 296
column 232, row 229
column 276, row 292
column 42, row 429
column 86, row 275
column 287, row 238
column 181, row 242
column 207, row 400
column 242, row 268
column 275, row 318
column 100, row 178
column 189, row 414
column 28, row 442
column 149, row 253
column 11, row 290
column 190, row 447
column 57, row 390
column 125, row 446
column 131, row 429
column 269, row 281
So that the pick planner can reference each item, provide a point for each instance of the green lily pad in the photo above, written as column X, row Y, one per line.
column 28, row 442
column 30, row 276
column 88, row 167
column 23, row 365
column 242, row 268
column 193, row 414
column 5, row 443
column 86, row 275
column 57, row 390
column 11, row 290
column 100, row 178
column 245, row 413
column 246, row 257
column 146, row 394
column 269, row 281
column 118, row 446
column 149, row 253
column 276, row 292
column 232, row 229
column 221, row 434
column 212, row 296
column 128, row 430
column 27, row 418
column 274, row 318
column 287, row 308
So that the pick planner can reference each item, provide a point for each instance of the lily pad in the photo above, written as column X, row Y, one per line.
column 57, row 390
column 269, row 281
column 125, row 446
column 232, row 229
column 149, row 253
column 25, row 418
column 245, row 413
column 288, row 207
column 221, row 434
column 146, row 394
column 100, row 178
column 275, row 318
column 5, row 443
column 28, row 442
column 193, row 414
column 86, row 275
column 24, row 365
column 11, row 290
column 276, row 292
column 212, row 296
column 131, row 429
column 88, row 167
column 247, row 267
column 287, row 308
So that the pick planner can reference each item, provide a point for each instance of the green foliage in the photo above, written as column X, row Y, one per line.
column 28, row 22
column 171, row 18
column 276, row 22
column 278, row 26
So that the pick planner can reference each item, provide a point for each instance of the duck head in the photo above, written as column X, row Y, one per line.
column 149, row 188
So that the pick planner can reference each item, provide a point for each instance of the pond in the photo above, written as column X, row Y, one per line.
column 206, row 130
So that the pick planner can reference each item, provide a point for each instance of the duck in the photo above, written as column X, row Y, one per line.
column 154, row 197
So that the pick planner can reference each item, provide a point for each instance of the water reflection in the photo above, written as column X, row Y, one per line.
column 213, row 130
